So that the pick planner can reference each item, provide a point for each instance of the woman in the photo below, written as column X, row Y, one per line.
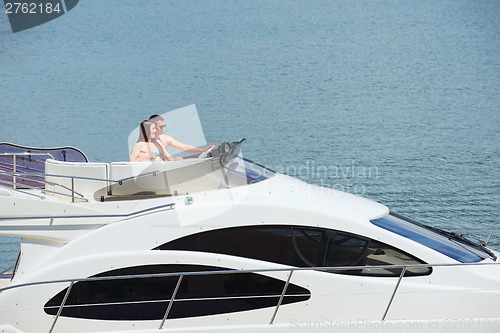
column 147, row 147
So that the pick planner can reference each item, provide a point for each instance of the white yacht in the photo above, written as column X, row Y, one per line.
column 222, row 244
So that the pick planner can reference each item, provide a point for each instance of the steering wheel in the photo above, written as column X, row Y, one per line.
column 206, row 152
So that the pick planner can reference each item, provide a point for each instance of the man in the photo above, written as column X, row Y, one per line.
column 168, row 141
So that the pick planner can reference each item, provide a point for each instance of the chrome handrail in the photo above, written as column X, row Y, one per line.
column 72, row 189
column 183, row 274
column 169, row 205
column 134, row 177
column 469, row 231
column 73, row 192
column 27, row 154
column 84, row 178
column 24, row 192
column 14, row 162
column 62, row 306
column 165, row 316
column 263, row 270
column 24, row 157
column 403, row 271
column 281, row 297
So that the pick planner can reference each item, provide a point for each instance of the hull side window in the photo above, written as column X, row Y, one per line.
column 302, row 247
column 148, row 298
column 450, row 244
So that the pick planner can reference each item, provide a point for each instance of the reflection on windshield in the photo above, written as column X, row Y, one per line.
column 449, row 244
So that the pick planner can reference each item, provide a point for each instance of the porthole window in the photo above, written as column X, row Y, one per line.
column 302, row 247
column 147, row 298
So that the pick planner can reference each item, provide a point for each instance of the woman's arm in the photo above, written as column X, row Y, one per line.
column 140, row 153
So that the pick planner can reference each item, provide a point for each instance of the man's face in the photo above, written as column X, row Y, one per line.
column 160, row 127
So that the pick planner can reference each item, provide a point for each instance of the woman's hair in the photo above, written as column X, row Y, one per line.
column 145, row 131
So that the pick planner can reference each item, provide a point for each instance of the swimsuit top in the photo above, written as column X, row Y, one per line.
column 155, row 153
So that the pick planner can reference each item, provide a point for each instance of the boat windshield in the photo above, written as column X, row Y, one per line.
column 448, row 243
column 224, row 168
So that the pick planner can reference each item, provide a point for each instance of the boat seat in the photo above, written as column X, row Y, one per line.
column 164, row 178
column 122, row 170
column 63, row 185
column 138, row 178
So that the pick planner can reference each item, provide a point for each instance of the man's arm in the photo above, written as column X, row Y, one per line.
column 170, row 141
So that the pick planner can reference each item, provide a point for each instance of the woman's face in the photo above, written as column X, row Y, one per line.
column 152, row 130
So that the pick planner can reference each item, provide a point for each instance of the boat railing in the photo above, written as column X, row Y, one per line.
column 74, row 195
column 19, row 164
column 180, row 276
column 86, row 216
column 489, row 233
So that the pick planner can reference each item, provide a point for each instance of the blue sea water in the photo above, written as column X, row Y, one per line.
column 396, row 101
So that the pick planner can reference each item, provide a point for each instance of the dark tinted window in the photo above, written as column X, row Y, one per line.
column 148, row 298
column 301, row 247
column 450, row 244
